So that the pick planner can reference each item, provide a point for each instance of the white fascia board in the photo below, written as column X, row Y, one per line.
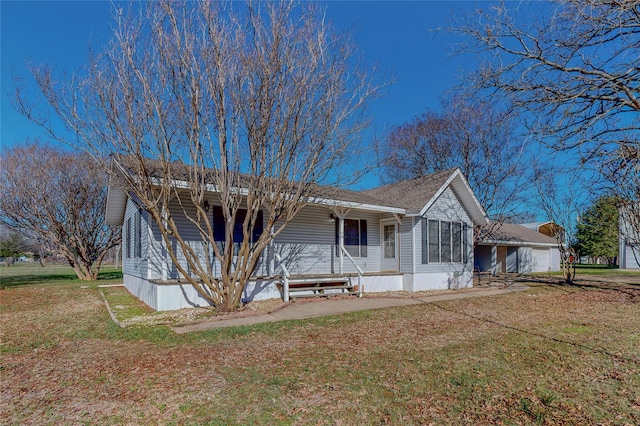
column 181, row 184
column 515, row 243
column 354, row 205
column 320, row 201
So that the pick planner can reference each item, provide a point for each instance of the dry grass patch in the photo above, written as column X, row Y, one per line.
column 552, row 355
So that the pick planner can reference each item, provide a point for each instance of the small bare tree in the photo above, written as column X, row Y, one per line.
column 568, row 68
column 252, row 106
column 57, row 199
column 471, row 135
column 561, row 196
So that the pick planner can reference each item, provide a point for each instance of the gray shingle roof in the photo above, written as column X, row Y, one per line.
column 360, row 197
column 408, row 197
column 511, row 233
column 411, row 194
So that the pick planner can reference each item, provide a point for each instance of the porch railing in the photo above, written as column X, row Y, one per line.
column 285, row 274
column 360, row 273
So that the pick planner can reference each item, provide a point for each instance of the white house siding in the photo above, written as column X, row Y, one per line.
column 525, row 260
column 134, row 269
column 513, row 262
column 627, row 258
column 159, row 259
column 521, row 259
column 407, row 240
column 383, row 283
column 142, row 289
column 170, row 296
column 307, row 244
column 627, row 235
column 436, row 275
column 483, row 257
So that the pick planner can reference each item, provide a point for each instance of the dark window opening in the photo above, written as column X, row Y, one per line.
column 355, row 237
column 219, row 230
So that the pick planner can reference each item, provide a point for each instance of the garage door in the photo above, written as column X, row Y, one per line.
column 540, row 260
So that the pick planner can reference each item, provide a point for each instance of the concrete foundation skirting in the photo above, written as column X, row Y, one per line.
column 171, row 295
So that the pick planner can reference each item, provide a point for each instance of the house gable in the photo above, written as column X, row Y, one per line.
column 465, row 195
column 418, row 195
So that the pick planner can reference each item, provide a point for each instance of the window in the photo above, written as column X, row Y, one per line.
column 137, row 237
column 219, row 230
column 434, row 241
column 127, row 236
column 444, row 242
column 133, row 236
column 389, row 241
column 456, row 242
column 355, row 237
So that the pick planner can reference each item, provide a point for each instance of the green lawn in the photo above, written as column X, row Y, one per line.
column 552, row 355
column 604, row 270
column 31, row 273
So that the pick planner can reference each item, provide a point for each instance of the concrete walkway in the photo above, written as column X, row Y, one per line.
column 327, row 307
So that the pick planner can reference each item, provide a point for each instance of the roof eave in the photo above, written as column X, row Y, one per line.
column 117, row 199
column 516, row 243
column 354, row 205
column 115, row 206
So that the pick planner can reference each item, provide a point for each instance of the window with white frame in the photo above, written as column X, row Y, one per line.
column 444, row 241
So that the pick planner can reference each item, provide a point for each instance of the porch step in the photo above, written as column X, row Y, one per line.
column 320, row 287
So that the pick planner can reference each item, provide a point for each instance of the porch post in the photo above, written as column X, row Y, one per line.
column 341, row 241
column 494, row 260
column 165, row 252
column 341, row 214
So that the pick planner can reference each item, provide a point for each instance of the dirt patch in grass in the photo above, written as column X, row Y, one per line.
column 552, row 355
column 131, row 311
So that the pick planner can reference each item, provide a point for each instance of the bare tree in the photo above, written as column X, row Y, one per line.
column 561, row 196
column 254, row 105
column 571, row 70
column 57, row 199
column 472, row 135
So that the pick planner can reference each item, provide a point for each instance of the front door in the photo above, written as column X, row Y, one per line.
column 389, row 246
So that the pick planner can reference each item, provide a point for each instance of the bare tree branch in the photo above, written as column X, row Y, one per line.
column 471, row 135
column 58, row 199
column 571, row 70
column 250, row 107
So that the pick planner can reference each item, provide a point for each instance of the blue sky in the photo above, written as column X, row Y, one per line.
column 394, row 36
